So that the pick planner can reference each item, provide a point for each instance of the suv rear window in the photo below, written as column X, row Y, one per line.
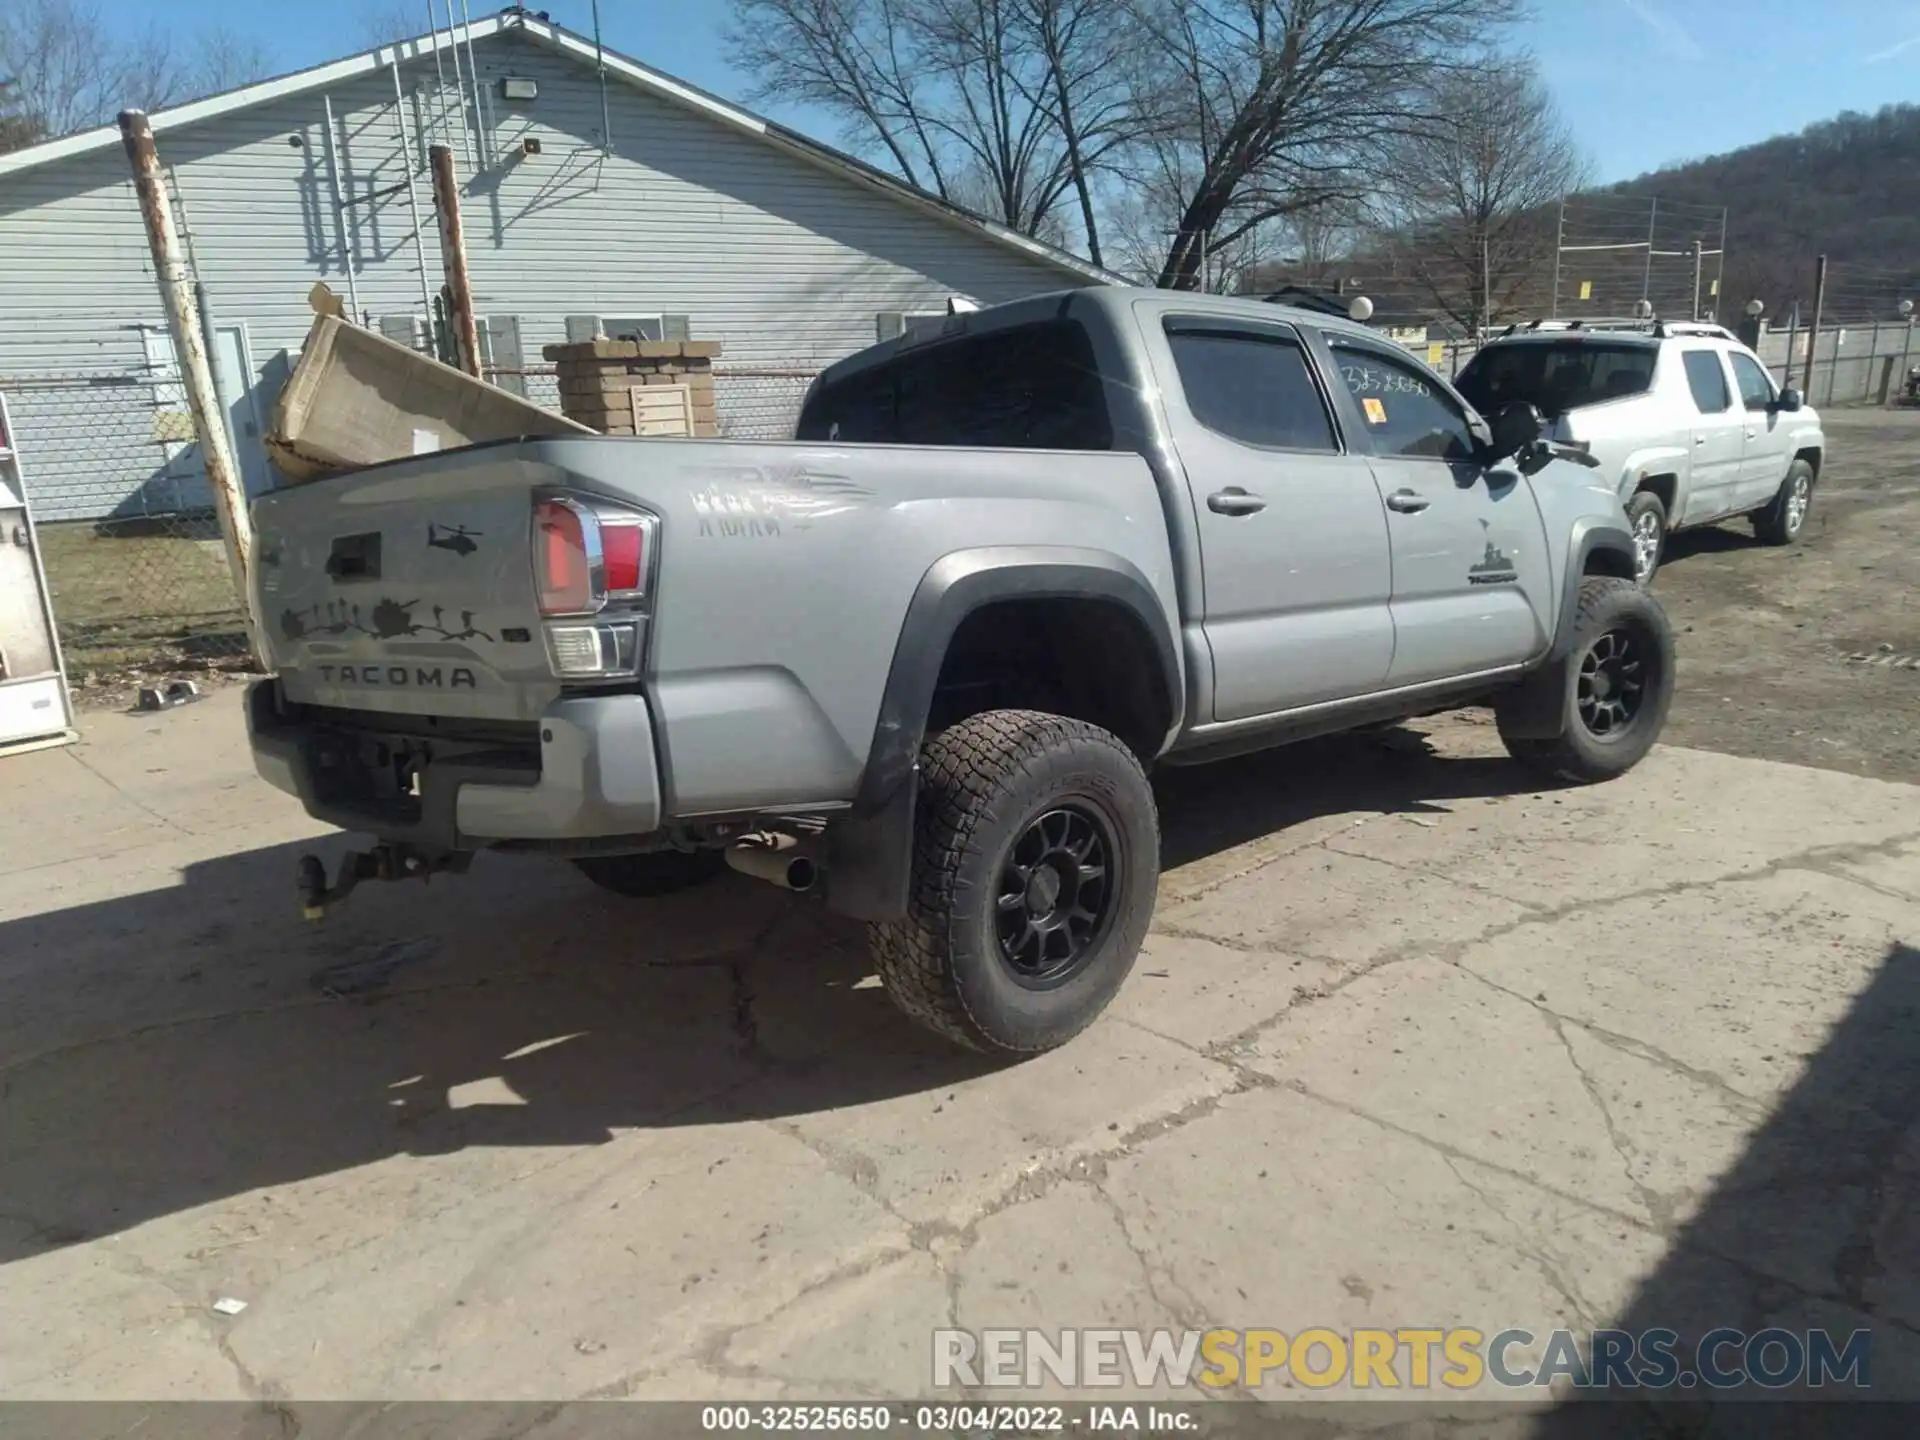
column 1033, row 386
column 1557, row 376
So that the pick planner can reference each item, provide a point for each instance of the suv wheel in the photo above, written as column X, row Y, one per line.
column 655, row 873
column 1617, row 688
column 1647, row 519
column 1786, row 515
column 1036, row 859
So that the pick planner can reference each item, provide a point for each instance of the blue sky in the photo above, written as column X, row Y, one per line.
column 1642, row 82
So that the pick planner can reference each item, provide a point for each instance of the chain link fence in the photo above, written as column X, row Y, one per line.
column 760, row 402
column 754, row 402
column 132, row 551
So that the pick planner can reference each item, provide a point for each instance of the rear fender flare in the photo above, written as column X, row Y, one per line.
column 870, row 852
column 958, row 584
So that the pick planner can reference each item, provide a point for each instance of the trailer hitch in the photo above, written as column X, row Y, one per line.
column 383, row 862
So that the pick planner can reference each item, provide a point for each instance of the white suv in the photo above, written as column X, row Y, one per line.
column 1682, row 417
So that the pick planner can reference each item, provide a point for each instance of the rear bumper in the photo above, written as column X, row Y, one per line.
column 590, row 774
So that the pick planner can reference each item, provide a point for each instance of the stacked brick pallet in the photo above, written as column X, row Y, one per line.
column 596, row 377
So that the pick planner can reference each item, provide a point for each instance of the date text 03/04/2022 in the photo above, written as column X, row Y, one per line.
column 943, row 1418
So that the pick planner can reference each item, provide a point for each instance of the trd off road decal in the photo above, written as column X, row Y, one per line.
column 1494, row 568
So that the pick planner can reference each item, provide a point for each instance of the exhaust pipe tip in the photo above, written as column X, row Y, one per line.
column 776, row 858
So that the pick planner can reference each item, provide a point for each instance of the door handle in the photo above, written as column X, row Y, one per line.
column 1234, row 501
column 1699, row 439
column 1407, row 502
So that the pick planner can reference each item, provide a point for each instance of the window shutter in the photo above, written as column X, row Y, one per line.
column 582, row 327
column 890, row 324
column 676, row 327
column 402, row 330
column 503, row 336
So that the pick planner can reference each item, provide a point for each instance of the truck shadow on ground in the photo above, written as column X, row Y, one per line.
column 171, row 1048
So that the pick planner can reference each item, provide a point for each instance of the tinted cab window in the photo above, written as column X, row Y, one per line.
column 1032, row 386
column 1406, row 410
column 1558, row 375
column 1254, row 386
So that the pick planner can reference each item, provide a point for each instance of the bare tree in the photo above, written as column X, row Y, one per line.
column 221, row 59
column 382, row 22
column 863, row 60
column 1272, row 107
column 1011, row 104
column 69, row 71
column 1469, row 194
column 19, row 127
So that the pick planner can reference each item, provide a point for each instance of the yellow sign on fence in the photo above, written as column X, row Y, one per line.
column 1586, row 289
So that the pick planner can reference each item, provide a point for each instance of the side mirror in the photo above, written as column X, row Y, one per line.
column 1514, row 429
column 1790, row 400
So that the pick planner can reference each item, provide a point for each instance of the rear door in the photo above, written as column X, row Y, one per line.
column 1470, row 576
column 1293, row 539
column 1718, row 436
column 1766, row 446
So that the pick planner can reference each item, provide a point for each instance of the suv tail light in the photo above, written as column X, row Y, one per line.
column 592, row 563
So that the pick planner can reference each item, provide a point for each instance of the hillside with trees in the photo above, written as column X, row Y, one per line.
column 1849, row 186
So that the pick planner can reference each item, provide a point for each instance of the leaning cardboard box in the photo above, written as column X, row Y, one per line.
column 357, row 398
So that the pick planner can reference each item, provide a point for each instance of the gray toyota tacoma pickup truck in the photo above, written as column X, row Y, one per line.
column 921, row 657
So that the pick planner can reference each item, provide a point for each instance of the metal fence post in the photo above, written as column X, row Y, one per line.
column 1813, row 331
column 190, row 348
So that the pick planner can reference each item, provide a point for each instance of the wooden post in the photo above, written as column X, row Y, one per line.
column 176, row 282
column 453, row 259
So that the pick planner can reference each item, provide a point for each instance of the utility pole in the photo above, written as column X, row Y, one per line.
column 1696, row 279
column 1813, row 330
column 453, row 259
column 176, row 282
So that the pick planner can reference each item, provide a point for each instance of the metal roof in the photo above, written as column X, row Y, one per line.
column 577, row 47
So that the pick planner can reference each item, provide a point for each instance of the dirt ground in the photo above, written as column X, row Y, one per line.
column 1797, row 654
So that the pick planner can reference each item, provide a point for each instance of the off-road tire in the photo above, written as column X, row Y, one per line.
column 653, row 874
column 1607, row 607
column 1641, row 504
column 984, row 784
column 1776, row 525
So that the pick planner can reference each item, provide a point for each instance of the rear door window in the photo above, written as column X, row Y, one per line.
column 1029, row 386
column 1558, row 375
column 1707, row 379
column 1253, row 386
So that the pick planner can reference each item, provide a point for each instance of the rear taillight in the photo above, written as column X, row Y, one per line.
column 623, row 551
column 590, row 568
column 566, row 545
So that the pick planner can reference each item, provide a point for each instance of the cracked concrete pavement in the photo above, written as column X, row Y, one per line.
column 1412, row 1043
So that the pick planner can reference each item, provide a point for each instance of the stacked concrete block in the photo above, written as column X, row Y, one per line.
column 596, row 376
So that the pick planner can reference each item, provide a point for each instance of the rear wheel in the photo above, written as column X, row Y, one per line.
column 658, row 872
column 1786, row 515
column 1036, row 859
column 1618, row 686
column 1647, row 518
